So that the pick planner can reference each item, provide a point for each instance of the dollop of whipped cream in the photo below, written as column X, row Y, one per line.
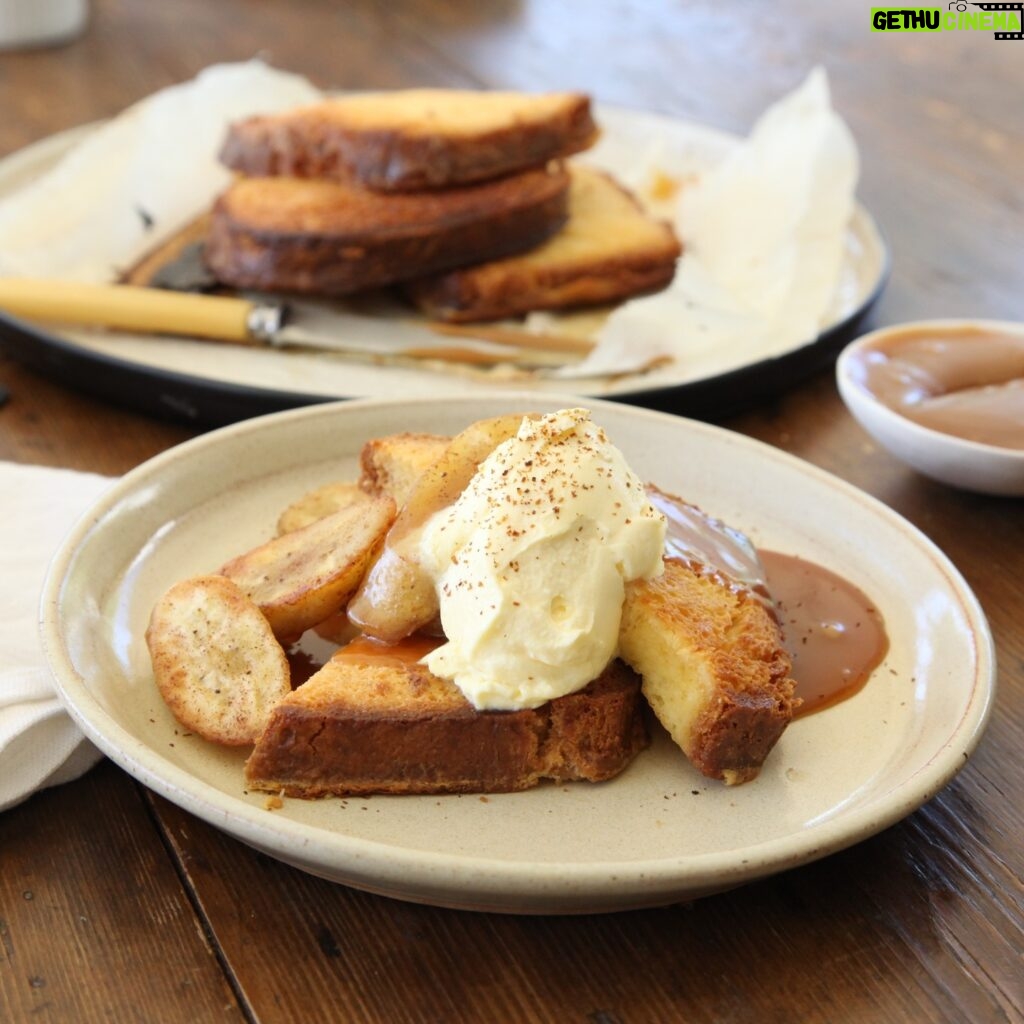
column 531, row 563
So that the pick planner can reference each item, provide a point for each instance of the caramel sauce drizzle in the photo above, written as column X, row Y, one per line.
column 832, row 631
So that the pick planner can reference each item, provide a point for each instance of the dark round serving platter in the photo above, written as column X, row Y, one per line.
column 209, row 403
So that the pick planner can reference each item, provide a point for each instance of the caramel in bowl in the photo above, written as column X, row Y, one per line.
column 944, row 396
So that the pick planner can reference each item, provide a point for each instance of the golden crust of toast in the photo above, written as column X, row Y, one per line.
column 323, row 237
column 413, row 139
column 215, row 660
column 392, row 465
column 387, row 725
column 714, row 669
column 609, row 249
column 302, row 578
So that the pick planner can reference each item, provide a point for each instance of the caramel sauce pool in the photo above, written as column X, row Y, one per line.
column 364, row 650
column 833, row 632
column 965, row 381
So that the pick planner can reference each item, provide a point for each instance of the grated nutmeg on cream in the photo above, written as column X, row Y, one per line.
column 531, row 562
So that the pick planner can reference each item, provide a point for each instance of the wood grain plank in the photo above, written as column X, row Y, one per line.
column 94, row 921
column 823, row 938
column 47, row 424
column 336, row 45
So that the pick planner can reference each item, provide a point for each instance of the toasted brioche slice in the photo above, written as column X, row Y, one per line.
column 302, row 578
column 610, row 248
column 413, row 139
column 320, row 502
column 331, row 238
column 393, row 464
column 373, row 720
column 215, row 660
column 713, row 667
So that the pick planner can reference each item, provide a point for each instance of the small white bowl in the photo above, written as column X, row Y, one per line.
column 952, row 460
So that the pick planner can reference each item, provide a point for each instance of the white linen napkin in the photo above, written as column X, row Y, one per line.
column 40, row 745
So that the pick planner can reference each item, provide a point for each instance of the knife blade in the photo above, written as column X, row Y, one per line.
column 245, row 321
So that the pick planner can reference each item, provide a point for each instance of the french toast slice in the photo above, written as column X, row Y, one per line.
column 413, row 139
column 333, row 238
column 609, row 249
column 391, row 465
column 374, row 720
column 713, row 666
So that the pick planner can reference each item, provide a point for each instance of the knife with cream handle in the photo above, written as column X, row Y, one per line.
column 241, row 321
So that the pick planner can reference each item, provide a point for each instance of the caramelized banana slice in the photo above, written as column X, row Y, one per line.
column 304, row 577
column 316, row 504
column 397, row 597
column 337, row 629
column 215, row 660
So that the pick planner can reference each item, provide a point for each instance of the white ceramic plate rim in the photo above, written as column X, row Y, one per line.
column 492, row 881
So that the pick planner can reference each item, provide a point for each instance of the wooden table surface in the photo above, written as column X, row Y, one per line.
column 117, row 906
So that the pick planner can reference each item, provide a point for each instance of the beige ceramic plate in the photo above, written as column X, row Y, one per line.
column 658, row 833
